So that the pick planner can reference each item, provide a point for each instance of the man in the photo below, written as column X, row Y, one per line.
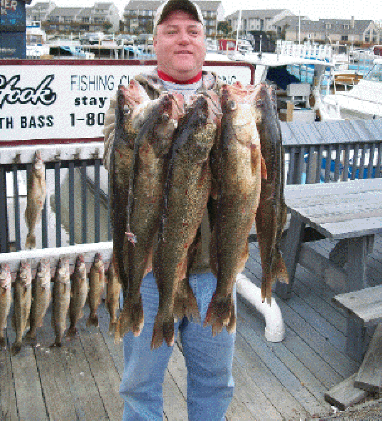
column 179, row 43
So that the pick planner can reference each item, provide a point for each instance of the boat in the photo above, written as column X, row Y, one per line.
column 363, row 101
column 297, row 80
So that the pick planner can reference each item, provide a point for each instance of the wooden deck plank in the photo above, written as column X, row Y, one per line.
column 280, row 371
column 286, row 357
column 369, row 376
column 103, row 371
column 365, row 305
column 174, row 403
column 247, row 391
column 29, row 397
column 345, row 394
column 335, row 358
column 281, row 398
column 115, row 349
column 8, row 408
column 304, row 328
column 319, row 323
column 55, row 382
column 69, row 363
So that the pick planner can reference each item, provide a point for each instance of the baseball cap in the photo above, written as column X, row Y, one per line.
column 171, row 5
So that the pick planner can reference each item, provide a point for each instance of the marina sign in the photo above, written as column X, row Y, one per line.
column 46, row 101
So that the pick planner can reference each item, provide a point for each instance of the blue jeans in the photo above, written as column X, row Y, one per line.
column 208, row 360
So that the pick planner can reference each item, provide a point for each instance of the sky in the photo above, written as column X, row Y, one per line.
column 340, row 9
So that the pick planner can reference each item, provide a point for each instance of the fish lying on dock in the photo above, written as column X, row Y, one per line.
column 36, row 192
column 155, row 122
column 188, row 187
column 238, row 166
column 5, row 300
column 41, row 296
column 113, row 291
column 272, row 211
column 61, row 299
column 96, row 287
column 22, row 299
column 79, row 292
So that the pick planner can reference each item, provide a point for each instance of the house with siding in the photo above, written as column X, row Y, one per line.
column 138, row 15
column 257, row 20
column 342, row 31
column 75, row 19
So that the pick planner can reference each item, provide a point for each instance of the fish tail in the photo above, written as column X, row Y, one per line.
column 16, row 348
column 72, row 332
column 185, row 303
column 112, row 327
column 92, row 320
column 163, row 330
column 281, row 273
column 220, row 313
column 30, row 242
column 3, row 342
column 266, row 289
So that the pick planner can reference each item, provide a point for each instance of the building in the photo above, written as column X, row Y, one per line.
column 138, row 16
column 257, row 20
column 75, row 19
column 40, row 11
column 341, row 31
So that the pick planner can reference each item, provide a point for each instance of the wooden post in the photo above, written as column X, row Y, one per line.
column 289, row 113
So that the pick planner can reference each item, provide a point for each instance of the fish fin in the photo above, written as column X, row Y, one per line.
column 112, row 327
column 30, row 242
column 220, row 313
column 72, row 332
column 281, row 273
column 163, row 330
column 185, row 303
column 266, row 289
column 16, row 348
column 131, row 318
column 3, row 343
column 92, row 321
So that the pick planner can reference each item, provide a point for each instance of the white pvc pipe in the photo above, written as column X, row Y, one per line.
column 274, row 323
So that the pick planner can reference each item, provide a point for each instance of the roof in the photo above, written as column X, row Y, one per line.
column 153, row 5
column 337, row 25
column 143, row 5
column 102, row 6
column 257, row 14
column 66, row 11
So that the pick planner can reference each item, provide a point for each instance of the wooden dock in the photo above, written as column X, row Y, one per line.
column 274, row 381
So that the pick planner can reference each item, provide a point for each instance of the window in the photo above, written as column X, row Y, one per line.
column 344, row 38
column 346, row 26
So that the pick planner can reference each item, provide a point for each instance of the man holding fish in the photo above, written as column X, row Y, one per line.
column 169, row 139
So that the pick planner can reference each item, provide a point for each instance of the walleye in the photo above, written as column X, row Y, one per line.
column 36, row 192
column 96, row 286
column 121, row 163
column 187, row 189
column 41, row 295
column 156, row 121
column 272, row 211
column 22, row 304
column 113, row 290
column 61, row 299
column 5, row 300
column 238, row 167
column 78, row 295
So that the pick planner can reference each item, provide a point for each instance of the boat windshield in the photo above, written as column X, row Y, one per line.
column 375, row 73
